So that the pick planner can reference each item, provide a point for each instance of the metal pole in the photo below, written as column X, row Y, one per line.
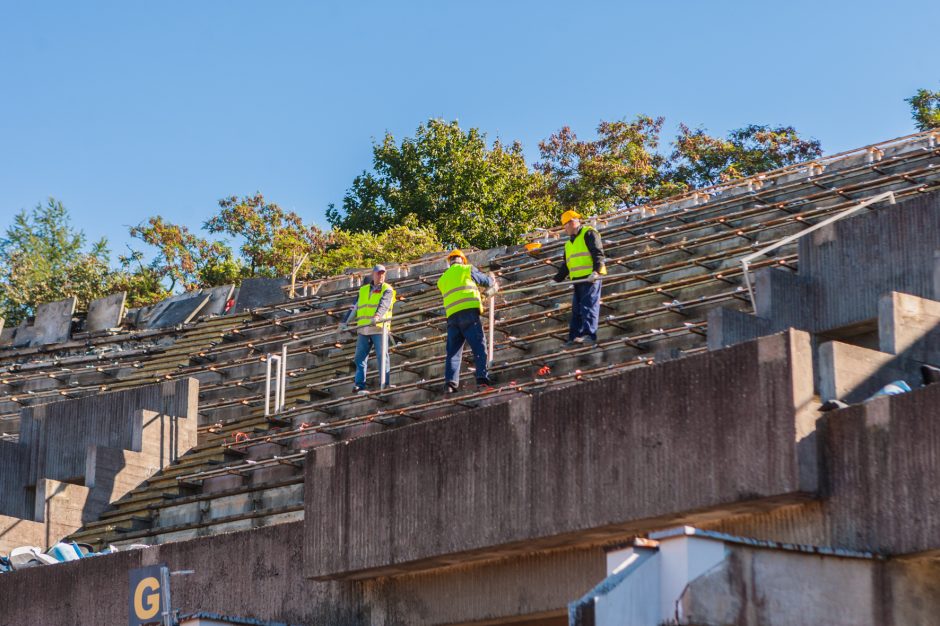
column 165, row 600
column 745, row 262
column 491, row 330
column 383, row 362
column 267, row 388
column 283, row 386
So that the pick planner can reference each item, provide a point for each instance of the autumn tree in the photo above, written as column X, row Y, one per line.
column 925, row 109
column 398, row 244
column 621, row 167
column 470, row 191
column 272, row 239
column 701, row 160
column 183, row 258
column 43, row 258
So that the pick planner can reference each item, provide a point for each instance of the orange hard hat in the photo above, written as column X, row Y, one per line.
column 457, row 253
column 569, row 215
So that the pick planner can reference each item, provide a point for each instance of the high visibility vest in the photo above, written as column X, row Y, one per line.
column 458, row 290
column 578, row 257
column 368, row 302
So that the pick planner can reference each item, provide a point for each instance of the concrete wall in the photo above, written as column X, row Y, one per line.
column 257, row 574
column 682, row 440
column 879, row 482
column 77, row 456
column 896, row 245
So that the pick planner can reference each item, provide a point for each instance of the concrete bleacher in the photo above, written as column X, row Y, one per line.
column 670, row 264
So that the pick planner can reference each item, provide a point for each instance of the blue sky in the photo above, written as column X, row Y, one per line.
column 124, row 110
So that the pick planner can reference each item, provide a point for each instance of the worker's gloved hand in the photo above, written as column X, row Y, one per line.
column 342, row 327
column 594, row 277
column 603, row 270
column 376, row 320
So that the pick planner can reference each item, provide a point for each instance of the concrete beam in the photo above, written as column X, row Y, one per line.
column 909, row 326
column 852, row 373
column 569, row 466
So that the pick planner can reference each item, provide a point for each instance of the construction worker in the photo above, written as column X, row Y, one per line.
column 370, row 315
column 584, row 261
column 460, row 288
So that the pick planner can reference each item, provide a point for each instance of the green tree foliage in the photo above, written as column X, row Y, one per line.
column 700, row 160
column 925, row 109
column 42, row 258
column 183, row 258
column 623, row 165
column 620, row 168
column 469, row 191
column 272, row 239
column 398, row 244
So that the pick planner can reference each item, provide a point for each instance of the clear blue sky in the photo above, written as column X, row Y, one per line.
column 128, row 109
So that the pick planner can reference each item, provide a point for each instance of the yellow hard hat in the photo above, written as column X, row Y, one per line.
column 569, row 215
column 457, row 253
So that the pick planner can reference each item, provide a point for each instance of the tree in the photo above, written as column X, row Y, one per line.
column 700, row 160
column 42, row 259
column 469, row 191
column 182, row 257
column 620, row 168
column 925, row 109
column 273, row 239
column 398, row 244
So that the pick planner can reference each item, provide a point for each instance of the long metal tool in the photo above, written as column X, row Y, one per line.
column 746, row 261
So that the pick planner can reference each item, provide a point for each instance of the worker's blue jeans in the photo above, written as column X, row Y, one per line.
column 585, row 310
column 464, row 326
column 364, row 345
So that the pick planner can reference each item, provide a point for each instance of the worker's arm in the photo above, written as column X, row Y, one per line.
column 592, row 239
column 384, row 304
column 480, row 278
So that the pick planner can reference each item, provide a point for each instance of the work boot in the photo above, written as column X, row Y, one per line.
column 573, row 343
column 485, row 384
column 360, row 389
column 450, row 388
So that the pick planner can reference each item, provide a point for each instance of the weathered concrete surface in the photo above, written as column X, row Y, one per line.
column 218, row 296
column 75, row 457
column 879, row 486
column 895, row 244
column 569, row 466
column 256, row 573
column 255, row 292
column 909, row 326
column 852, row 374
column 53, row 324
column 179, row 312
column 759, row 587
column 106, row 313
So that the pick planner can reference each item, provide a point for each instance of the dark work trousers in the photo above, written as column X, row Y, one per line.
column 585, row 310
column 464, row 326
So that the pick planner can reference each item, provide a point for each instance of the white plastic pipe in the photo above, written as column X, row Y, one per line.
column 384, row 360
column 490, row 331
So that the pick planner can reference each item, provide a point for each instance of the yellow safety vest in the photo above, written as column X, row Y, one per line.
column 458, row 290
column 368, row 302
column 578, row 257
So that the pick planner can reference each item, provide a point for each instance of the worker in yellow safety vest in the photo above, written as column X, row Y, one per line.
column 460, row 288
column 585, row 265
column 370, row 315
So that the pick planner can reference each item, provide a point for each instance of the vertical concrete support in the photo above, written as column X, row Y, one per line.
column 77, row 456
column 852, row 373
column 728, row 327
column 533, row 473
column 106, row 313
column 909, row 326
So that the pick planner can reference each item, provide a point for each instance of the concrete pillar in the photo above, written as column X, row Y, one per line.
column 852, row 374
column 909, row 326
